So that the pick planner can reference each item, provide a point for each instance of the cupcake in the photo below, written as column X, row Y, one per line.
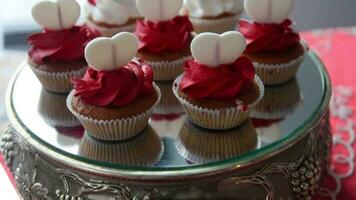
column 279, row 101
column 216, row 16
column 116, row 96
column 57, row 53
column 199, row 145
column 219, row 87
column 145, row 149
column 52, row 107
column 273, row 46
column 111, row 16
column 164, row 37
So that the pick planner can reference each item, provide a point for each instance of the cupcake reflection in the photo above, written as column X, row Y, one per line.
column 268, row 131
column 198, row 145
column 69, row 136
column 144, row 149
column 278, row 101
column 167, row 125
column 52, row 107
column 169, row 104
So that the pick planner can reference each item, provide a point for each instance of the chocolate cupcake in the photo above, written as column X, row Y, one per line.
column 52, row 107
column 213, row 16
column 198, row 145
column 164, row 39
column 144, row 149
column 274, row 47
column 116, row 96
column 218, row 88
column 278, row 101
column 110, row 17
column 57, row 54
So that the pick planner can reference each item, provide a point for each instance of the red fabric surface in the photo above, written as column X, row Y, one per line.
column 337, row 49
column 7, row 170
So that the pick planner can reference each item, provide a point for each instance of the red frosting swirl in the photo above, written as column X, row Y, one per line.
column 118, row 87
column 223, row 83
column 268, row 37
column 172, row 35
column 60, row 45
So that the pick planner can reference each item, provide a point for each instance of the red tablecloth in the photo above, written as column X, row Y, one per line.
column 337, row 48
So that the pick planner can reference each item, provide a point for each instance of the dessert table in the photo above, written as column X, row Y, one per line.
column 336, row 48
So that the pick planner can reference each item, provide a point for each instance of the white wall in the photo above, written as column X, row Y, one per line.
column 310, row 14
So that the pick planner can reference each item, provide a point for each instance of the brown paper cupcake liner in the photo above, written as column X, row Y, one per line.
column 109, row 32
column 220, row 25
column 167, row 70
column 52, row 107
column 115, row 129
column 145, row 149
column 217, row 118
column 169, row 103
column 280, row 73
column 57, row 81
column 199, row 145
column 278, row 101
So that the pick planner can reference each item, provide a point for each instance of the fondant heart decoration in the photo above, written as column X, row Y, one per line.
column 105, row 54
column 269, row 11
column 59, row 15
column 159, row 10
column 212, row 49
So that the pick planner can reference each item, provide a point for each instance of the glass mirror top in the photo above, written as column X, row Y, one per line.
column 170, row 140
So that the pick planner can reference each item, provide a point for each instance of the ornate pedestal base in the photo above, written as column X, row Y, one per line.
column 294, row 172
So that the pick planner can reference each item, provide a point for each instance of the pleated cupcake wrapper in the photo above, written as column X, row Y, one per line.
column 277, row 113
column 220, row 25
column 279, row 73
column 167, row 70
column 115, row 129
column 169, row 103
column 109, row 32
column 200, row 146
column 278, row 103
column 217, row 118
column 58, row 82
column 144, row 150
column 53, row 109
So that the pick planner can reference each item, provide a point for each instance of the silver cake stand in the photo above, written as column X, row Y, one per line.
column 43, row 147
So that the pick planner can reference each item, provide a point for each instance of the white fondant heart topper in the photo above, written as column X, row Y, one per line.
column 269, row 11
column 159, row 10
column 59, row 15
column 105, row 54
column 212, row 49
